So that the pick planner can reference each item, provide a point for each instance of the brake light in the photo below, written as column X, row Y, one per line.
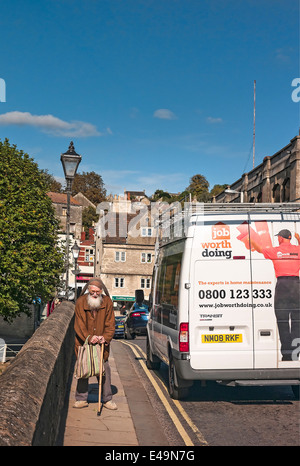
column 135, row 314
column 184, row 337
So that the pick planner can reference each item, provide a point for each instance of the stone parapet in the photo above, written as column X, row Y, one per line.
column 33, row 387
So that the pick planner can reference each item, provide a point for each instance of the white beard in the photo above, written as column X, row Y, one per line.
column 94, row 303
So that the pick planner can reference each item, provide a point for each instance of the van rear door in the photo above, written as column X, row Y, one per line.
column 221, row 313
column 266, row 337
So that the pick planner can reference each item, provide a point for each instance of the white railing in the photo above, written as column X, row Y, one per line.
column 9, row 348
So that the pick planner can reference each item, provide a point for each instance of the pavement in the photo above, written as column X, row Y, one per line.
column 133, row 424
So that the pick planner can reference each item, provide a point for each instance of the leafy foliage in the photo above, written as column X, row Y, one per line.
column 52, row 184
column 30, row 261
column 217, row 189
column 91, row 185
column 199, row 188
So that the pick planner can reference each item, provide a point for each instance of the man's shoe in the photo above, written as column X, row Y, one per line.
column 110, row 405
column 80, row 404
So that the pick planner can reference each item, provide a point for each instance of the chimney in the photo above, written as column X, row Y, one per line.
column 82, row 236
column 91, row 234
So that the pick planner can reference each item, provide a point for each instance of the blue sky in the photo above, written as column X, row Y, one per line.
column 151, row 92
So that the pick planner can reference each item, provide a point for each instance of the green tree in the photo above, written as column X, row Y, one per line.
column 217, row 189
column 52, row 184
column 91, row 185
column 161, row 195
column 198, row 188
column 30, row 260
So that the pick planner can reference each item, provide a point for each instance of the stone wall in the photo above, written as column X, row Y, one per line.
column 276, row 179
column 33, row 387
column 22, row 327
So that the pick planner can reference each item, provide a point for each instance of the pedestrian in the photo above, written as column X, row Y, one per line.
column 94, row 318
column 286, row 262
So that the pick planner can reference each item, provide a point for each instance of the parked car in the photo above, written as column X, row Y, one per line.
column 119, row 327
column 136, row 321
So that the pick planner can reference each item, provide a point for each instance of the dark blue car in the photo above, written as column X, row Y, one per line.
column 136, row 321
column 119, row 327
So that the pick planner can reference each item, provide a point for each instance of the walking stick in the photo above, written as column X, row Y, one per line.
column 100, row 379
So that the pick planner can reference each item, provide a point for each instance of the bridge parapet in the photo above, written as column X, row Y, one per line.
column 33, row 387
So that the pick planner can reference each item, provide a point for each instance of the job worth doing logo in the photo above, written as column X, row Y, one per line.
column 220, row 246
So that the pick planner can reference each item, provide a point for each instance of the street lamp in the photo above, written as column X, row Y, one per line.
column 232, row 191
column 70, row 161
column 75, row 251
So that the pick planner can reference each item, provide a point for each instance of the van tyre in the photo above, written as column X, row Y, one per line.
column 177, row 392
column 152, row 362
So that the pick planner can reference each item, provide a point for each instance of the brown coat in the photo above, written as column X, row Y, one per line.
column 86, row 325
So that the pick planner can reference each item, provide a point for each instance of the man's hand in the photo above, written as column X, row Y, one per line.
column 97, row 339
column 297, row 237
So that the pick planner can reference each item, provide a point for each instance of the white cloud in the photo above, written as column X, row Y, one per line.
column 213, row 120
column 283, row 55
column 164, row 114
column 50, row 124
column 134, row 112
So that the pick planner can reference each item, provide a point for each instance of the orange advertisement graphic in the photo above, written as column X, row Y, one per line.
column 220, row 231
column 261, row 236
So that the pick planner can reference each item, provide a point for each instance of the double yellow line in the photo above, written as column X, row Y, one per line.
column 187, row 440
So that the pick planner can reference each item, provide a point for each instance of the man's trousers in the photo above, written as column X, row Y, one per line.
column 287, row 310
column 81, row 393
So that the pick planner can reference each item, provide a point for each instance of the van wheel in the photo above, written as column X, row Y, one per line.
column 296, row 391
column 176, row 392
column 152, row 362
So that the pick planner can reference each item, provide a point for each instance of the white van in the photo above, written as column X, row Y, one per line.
column 214, row 313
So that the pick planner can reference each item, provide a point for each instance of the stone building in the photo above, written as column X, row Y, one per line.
column 276, row 179
column 59, row 202
column 83, row 200
column 125, row 244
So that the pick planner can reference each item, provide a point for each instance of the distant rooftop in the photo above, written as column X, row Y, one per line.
column 60, row 198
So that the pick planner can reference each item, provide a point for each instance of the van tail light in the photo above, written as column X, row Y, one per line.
column 184, row 337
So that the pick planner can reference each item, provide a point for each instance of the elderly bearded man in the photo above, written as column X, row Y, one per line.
column 94, row 317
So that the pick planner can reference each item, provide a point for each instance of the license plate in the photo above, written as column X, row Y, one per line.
column 222, row 338
column 120, row 326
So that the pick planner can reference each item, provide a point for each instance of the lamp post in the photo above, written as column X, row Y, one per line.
column 75, row 251
column 70, row 161
column 232, row 191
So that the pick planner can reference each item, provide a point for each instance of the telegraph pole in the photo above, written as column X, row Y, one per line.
column 254, row 124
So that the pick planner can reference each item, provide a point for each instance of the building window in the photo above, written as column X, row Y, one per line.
column 276, row 193
column 146, row 283
column 286, row 190
column 146, row 257
column 120, row 256
column 146, row 231
column 259, row 197
column 89, row 255
column 119, row 282
column 64, row 211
